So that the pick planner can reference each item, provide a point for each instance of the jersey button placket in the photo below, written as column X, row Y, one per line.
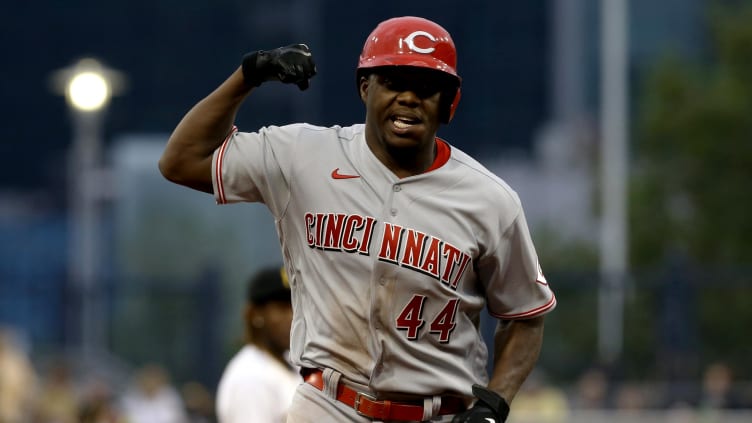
column 395, row 188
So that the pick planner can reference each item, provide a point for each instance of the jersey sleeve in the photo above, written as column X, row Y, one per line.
column 254, row 167
column 515, row 285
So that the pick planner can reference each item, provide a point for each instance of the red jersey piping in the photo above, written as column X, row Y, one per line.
column 442, row 154
column 218, row 167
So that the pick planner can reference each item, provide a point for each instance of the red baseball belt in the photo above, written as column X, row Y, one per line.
column 368, row 406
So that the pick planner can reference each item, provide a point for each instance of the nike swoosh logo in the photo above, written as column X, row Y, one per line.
column 337, row 175
column 490, row 420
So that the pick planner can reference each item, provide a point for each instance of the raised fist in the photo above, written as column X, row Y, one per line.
column 292, row 64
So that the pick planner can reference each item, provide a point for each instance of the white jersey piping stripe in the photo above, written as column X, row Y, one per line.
column 218, row 173
column 218, row 167
column 530, row 313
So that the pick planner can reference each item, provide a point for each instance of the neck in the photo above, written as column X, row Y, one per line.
column 405, row 161
column 262, row 341
column 273, row 352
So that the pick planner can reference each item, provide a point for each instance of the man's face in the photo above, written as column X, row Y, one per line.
column 402, row 105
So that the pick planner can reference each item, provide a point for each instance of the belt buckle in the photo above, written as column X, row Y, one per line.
column 356, row 405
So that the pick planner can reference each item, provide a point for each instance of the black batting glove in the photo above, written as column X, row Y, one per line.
column 291, row 65
column 489, row 408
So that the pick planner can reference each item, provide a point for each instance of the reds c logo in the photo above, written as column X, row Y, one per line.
column 410, row 41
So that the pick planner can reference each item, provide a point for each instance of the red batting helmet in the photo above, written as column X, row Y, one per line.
column 413, row 41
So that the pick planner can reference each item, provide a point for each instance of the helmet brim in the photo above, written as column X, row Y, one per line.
column 420, row 61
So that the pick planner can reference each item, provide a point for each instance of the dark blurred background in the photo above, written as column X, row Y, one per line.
column 174, row 52
column 167, row 266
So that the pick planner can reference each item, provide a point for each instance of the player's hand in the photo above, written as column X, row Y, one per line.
column 292, row 64
column 489, row 408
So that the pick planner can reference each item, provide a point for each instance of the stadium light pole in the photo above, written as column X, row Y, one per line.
column 613, row 170
column 88, row 86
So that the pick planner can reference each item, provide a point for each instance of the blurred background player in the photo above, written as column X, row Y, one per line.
column 259, row 382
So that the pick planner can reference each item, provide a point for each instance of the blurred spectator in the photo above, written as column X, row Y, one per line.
column 152, row 399
column 57, row 401
column 98, row 404
column 717, row 388
column 99, row 411
column 17, row 380
column 591, row 390
column 259, row 382
column 680, row 412
column 539, row 402
column 198, row 402
column 630, row 397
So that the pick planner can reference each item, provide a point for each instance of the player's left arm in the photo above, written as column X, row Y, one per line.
column 517, row 345
column 518, row 341
column 515, row 286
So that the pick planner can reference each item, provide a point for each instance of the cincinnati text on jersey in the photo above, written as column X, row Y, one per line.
column 399, row 245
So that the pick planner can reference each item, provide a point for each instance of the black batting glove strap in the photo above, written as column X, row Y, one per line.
column 490, row 407
column 292, row 64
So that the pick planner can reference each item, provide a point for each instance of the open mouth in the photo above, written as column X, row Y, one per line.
column 404, row 122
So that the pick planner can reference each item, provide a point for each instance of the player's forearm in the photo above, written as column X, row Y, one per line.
column 187, row 156
column 518, row 344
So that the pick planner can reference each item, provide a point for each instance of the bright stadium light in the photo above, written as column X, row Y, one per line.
column 88, row 85
column 88, row 91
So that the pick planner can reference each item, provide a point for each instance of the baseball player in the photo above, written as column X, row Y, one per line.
column 394, row 240
column 258, row 383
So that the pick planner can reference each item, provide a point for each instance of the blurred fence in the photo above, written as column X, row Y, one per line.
column 674, row 329
column 179, row 325
column 678, row 320
column 670, row 416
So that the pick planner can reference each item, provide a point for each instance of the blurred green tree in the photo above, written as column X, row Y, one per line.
column 692, row 189
column 691, row 192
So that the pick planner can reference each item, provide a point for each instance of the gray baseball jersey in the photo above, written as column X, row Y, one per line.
column 388, row 275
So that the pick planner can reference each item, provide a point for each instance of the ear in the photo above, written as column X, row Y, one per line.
column 363, row 87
